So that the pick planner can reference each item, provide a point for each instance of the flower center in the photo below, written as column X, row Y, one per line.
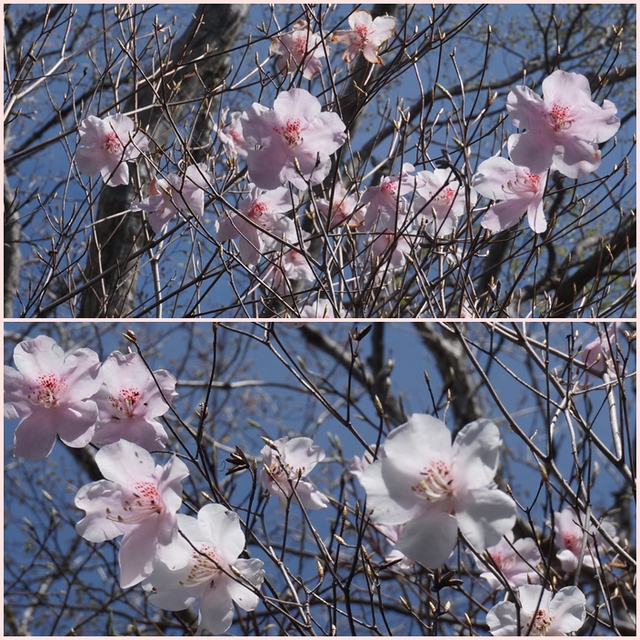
column 530, row 184
column 436, row 483
column 560, row 117
column 112, row 143
column 299, row 46
column 126, row 401
column 207, row 565
column 445, row 196
column 143, row 501
column 362, row 33
column 257, row 210
column 291, row 132
column 573, row 542
column 389, row 188
column 50, row 386
column 541, row 622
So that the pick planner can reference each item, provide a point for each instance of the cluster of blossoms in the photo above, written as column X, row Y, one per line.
column 293, row 145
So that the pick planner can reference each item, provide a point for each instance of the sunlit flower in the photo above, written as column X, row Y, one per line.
column 290, row 265
column 441, row 200
column 291, row 142
column 563, row 128
column 107, row 146
column 138, row 500
column 434, row 488
column 515, row 562
column 391, row 248
column 231, row 135
column 176, row 192
column 387, row 208
column 541, row 614
column 299, row 49
column 518, row 191
column 262, row 211
column 365, row 35
column 321, row 308
column 572, row 532
column 131, row 400
column 285, row 462
column 213, row 574
column 51, row 394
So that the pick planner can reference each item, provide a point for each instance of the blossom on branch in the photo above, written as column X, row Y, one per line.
column 299, row 49
column 131, row 400
column 541, row 613
column 176, row 192
column 107, row 146
column 285, row 463
column 572, row 532
column 597, row 355
column 260, row 212
column 291, row 142
column 518, row 191
column 342, row 209
column 231, row 135
column 435, row 487
column 138, row 500
column 289, row 265
column 391, row 249
column 206, row 567
column 563, row 128
column 387, row 208
column 365, row 35
column 52, row 395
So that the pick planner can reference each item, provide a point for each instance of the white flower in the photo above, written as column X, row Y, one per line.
column 207, row 567
column 107, row 146
column 365, row 35
column 139, row 500
column 571, row 530
column 540, row 613
column 285, row 464
column 434, row 488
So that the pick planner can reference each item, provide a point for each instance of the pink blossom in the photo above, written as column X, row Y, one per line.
column 138, row 500
column 342, row 209
column 515, row 561
column 571, row 530
column 206, row 567
column 518, row 190
column 131, row 400
column 441, row 200
column 541, row 613
column 176, row 193
column 51, row 394
column 434, row 488
column 107, row 146
column 387, row 208
column 231, row 136
column 262, row 211
column 299, row 49
column 391, row 248
column 293, row 141
column 290, row 265
column 365, row 36
column 285, row 463
column 563, row 128
column 321, row 308
column 597, row 354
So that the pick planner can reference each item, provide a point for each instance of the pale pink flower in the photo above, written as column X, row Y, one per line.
column 176, row 192
column 562, row 129
column 294, row 140
column 541, row 613
column 321, row 308
column 51, row 393
column 391, row 248
column 434, row 488
column 343, row 209
column 231, row 135
column 138, row 500
column 206, row 567
column 365, row 35
column 131, row 400
column 285, row 463
column 262, row 211
column 107, row 146
column 299, row 49
column 515, row 561
column 571, row 529
column 597, row 355
column 441, row 200
column 290, row 265
column 387, row 208
column 392, row 532
column 518, row 191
